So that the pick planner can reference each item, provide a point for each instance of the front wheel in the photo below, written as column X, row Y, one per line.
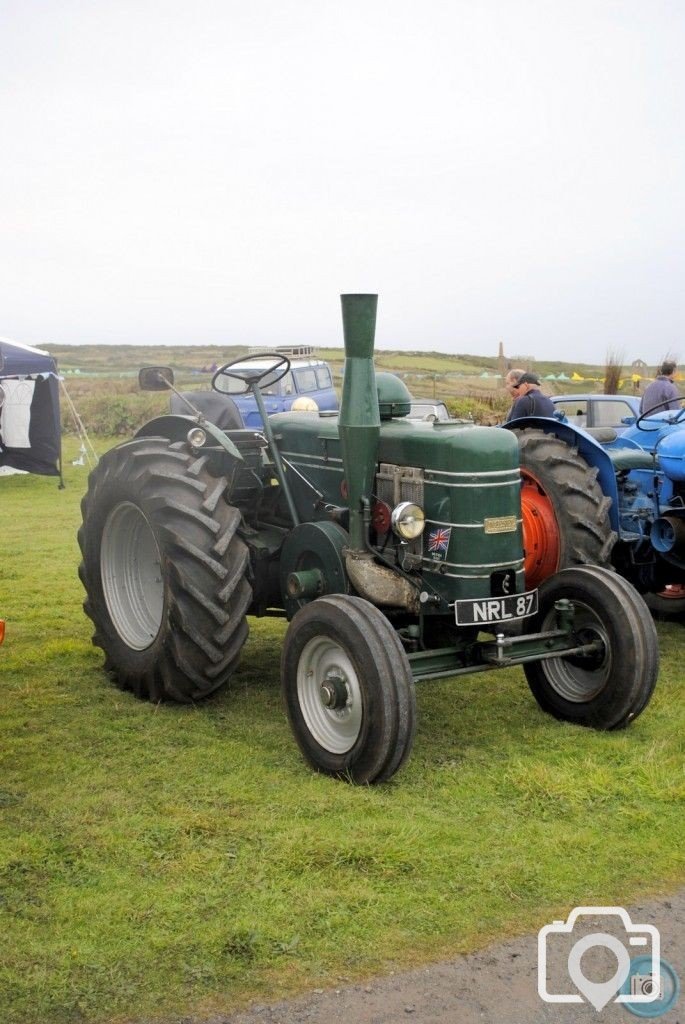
column 348, row 689
column 608, row 689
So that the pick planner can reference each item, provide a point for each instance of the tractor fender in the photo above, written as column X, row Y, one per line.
column 588, row 448
column 176, row 428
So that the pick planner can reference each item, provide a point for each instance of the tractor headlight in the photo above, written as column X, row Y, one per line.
column 196, row 437
column 408, row 520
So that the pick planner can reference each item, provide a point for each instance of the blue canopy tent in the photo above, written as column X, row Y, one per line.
column 30, row 434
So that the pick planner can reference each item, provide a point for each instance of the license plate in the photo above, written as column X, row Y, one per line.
column 496, row 609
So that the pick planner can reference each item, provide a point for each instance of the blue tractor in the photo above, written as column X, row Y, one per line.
column 593, row 496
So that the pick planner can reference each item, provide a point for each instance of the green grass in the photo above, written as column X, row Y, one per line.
column 171, row 860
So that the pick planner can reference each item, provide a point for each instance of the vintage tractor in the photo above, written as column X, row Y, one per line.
column 393, row 548
column 660, row 435
column 598, row 497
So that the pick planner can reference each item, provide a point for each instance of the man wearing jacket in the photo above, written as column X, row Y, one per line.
column 661, row 392
column 524, row 388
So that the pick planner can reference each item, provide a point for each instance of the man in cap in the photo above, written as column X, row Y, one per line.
column 524, row 388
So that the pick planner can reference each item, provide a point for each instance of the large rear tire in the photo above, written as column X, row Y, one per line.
column 565, row 513
column 348, row 689
column 164, row 570
column 610, row 689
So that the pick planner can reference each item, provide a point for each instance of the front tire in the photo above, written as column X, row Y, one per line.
column 348, row 689
column 610, row 689
column 164, row 570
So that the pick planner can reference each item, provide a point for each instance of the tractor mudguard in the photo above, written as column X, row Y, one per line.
column 588, row 448
column 176, row 428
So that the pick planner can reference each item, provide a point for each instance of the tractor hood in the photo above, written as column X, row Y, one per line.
column 466, row 478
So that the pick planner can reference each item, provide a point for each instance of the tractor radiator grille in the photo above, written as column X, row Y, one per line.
column 401, row 483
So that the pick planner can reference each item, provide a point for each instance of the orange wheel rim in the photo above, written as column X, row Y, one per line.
column 541, row 542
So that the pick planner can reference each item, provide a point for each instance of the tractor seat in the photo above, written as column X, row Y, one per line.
column 605, row 435
column 630, row 458
column 217, row 409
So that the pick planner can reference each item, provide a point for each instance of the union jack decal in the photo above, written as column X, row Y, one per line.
column 438, row 541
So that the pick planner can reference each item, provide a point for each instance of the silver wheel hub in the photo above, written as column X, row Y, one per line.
column 334, row 693
column 329, row 695
column 132, row 584
column 580, row 679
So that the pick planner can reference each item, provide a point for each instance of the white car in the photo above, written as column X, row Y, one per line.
column 429, row 411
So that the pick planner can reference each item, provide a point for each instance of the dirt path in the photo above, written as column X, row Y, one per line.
column 497, row 985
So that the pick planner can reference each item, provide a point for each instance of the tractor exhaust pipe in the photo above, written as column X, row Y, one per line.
column 359, row 425
column 359, row 420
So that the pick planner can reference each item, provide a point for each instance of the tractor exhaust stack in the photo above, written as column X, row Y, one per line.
column 359, row 424
column 359, row 419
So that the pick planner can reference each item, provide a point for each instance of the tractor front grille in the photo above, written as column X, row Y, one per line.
column 401, row 483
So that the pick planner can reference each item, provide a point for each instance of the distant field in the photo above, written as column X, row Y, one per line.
column 105, row 389
column 116, row 359
column 166, row 860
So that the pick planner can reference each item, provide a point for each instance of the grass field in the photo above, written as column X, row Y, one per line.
column 114, row 360
column 170, row 860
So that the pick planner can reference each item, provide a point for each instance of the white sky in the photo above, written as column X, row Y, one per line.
column 218, row 172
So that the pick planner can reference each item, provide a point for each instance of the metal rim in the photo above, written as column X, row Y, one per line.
column 325, row 666
column 570, row 677
column 132, row 584
column 541, row 540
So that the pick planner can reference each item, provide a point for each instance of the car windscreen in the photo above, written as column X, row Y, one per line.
column 234, row 387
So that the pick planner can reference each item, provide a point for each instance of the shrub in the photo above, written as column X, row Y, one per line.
column 613, row 371
column 111, row 408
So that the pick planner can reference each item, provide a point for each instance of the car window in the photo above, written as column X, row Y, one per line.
column 305, row 378
column 323, row 377
column 610, row 414
column 574, row 410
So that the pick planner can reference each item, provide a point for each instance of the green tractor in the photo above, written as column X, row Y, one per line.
column 393, row 548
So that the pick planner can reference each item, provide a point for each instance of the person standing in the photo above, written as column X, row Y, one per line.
column 662, row 391
column 524, row 388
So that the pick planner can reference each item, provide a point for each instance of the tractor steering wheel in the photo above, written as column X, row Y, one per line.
column 679, row 415
column 274, row 372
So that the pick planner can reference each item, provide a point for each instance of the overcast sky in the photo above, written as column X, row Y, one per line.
column 218, row 172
